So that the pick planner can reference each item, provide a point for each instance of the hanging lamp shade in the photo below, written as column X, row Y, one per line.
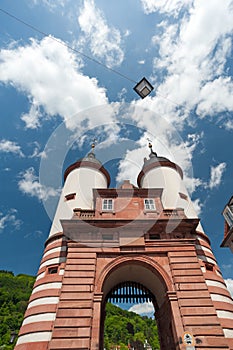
column 143, row 88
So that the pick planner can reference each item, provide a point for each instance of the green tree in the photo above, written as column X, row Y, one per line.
column 123, row 327
column 14, row 294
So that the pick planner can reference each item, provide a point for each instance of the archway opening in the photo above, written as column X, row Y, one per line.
column 136, row 283
column 128, row 324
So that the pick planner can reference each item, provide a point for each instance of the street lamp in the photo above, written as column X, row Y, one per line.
column 143, row 88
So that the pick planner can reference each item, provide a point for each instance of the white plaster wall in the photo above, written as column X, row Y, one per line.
column 169, row 179
column 80, row 181
column 171, row 182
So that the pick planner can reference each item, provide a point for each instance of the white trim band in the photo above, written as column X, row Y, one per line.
column 34, row 337
column 228, row 332
column 206, row 258
column 216, row 284
column 201, row 247
column 53, row 261
column 43, row 301
column 55, row 250
column 52, row 285
column 49, row 316
column 225, row 314
column 41, row 275
column 219, row 297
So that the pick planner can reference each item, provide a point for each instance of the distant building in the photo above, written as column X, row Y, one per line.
column 228, row 225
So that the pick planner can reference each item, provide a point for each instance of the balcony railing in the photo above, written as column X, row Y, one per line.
column 84, row 213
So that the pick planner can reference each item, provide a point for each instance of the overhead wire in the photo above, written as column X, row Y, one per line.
column 66, row 45
column 44, row 34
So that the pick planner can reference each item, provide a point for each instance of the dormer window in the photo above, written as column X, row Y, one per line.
column 149, row 204
column 107, row 205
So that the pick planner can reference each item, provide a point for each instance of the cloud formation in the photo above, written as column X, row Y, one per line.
column 164, row 6
column 10, row 219
column 192, row 60
column 145, row 308
column 50, row 75
column 104, row 40
column 29, row 184
column 7, row 146
column 216, row 174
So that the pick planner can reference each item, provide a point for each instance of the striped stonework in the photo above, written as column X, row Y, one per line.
column 36, row 329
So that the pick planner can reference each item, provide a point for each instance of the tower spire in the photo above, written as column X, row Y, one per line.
column 91, row 154
column 152, row 153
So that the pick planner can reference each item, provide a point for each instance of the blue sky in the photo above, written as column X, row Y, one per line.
column 54, row 101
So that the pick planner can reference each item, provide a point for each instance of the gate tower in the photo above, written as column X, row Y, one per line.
column 148, row 236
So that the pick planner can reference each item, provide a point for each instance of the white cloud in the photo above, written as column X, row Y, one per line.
column 51, row 4
column 104, row 40
column 50, row 75
column 198, row 205
column 167, row 143
column 37, row 153
column 164, row 6
column 32, row 118
column 228, row 125
column 193, row 54
column 146, row 308
column 10, row 219
column 29, row 184
column 7, row 146
column 216, row 175
column 229, row 283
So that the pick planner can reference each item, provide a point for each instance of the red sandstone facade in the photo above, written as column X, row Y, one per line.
column 160, row 248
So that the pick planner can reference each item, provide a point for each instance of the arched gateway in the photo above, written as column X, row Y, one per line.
column 139, row 272
column 147, row 236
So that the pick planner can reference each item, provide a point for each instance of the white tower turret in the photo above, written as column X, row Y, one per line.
column 80, row 179
column 160, row 172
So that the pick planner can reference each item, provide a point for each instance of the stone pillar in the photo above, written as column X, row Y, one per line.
column 96, row 322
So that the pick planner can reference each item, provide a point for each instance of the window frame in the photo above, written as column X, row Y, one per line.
column 150, row 205
column 106, row 204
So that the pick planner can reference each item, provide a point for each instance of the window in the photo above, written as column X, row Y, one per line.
column 107, row 237
column 149, row 204
column 107, row 204
column 70, row 196
column 52, row 270
column 154, row 236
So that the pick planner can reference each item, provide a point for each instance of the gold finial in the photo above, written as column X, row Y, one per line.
column 149, row 143
column 93, row 144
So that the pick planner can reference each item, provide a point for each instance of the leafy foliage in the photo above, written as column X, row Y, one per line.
column 14, row 294
column 123, row 328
